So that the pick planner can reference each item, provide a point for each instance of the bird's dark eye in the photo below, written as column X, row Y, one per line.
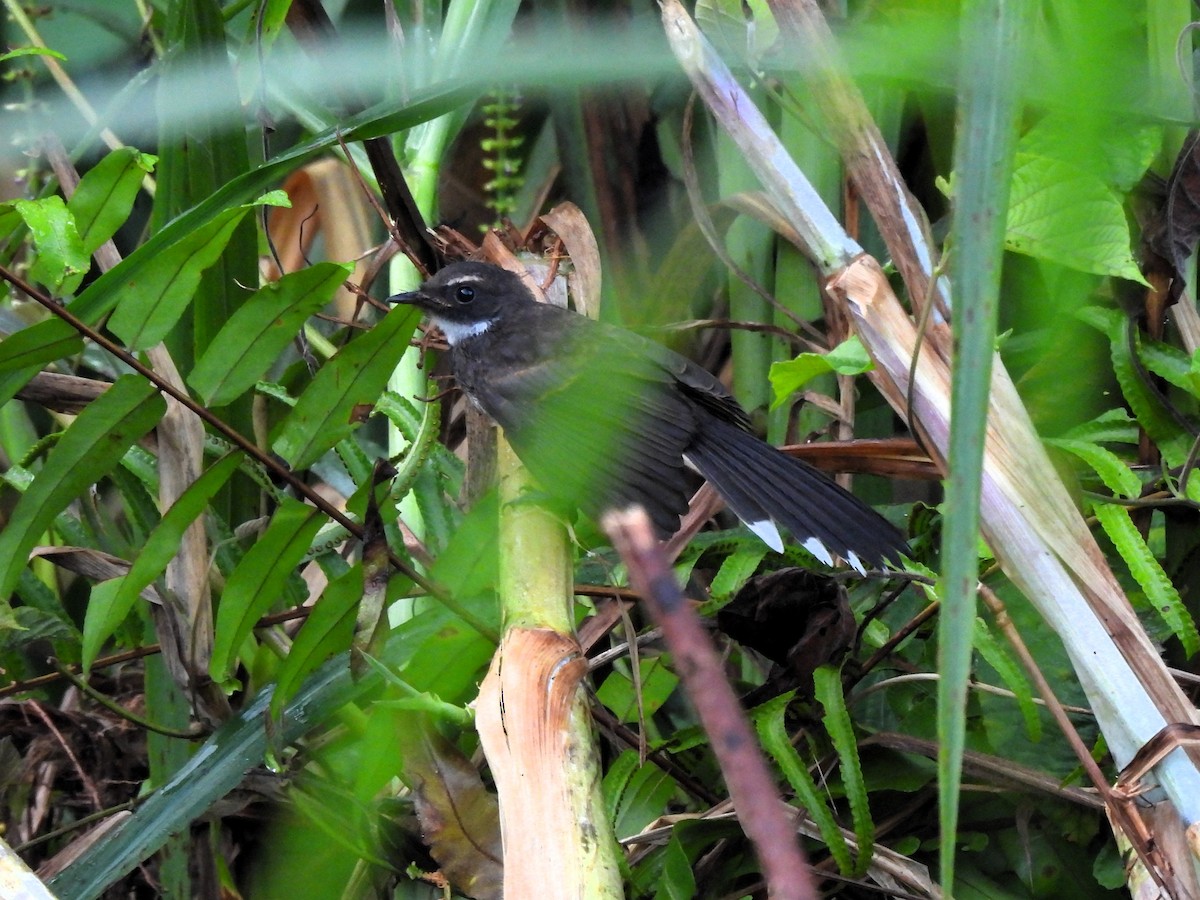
column 464, row 294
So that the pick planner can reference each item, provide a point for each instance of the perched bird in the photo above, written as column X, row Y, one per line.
column 605, row 418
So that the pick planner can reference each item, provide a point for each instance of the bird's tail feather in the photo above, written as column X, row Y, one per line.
column 759, row 483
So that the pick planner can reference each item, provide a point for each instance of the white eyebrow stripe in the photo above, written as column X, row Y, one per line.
column 465, row 279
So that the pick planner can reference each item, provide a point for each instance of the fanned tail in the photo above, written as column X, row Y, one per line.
column 764, row 487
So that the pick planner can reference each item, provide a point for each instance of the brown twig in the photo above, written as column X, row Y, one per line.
column 750, row 784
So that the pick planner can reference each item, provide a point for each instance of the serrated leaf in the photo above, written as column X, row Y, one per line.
column 356, row 375
column 259, row 579
column 60, row 261
column 1012, row 676
column 1068, row 216
column 105, row 195
column 106, row 612
column 772, row 731
column 1113, row 471
column 1171, row 364
column 260, row 329
column 827, row 688
column 736, row 570
column 1114, row 426
column 90, row 447
column 1149, row 575
column 848, row 358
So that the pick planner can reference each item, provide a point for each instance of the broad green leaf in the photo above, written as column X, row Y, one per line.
column 635, row 794
column 827, row 687
column 104, row 198
column 1116, row 149
column 154, row 299
column 677, row 881
column 1113, row 471
column 1163, row 596
column 60, row 261
column 1068, row 216
column 260, row 329
column 87, row 450
column 848, row 358
column 327, row 631
column 30, row 348
column 324, row 414
column 259, row 579
column 618, row 692
column 106, row 612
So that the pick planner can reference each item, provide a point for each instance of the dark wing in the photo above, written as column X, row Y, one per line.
column 593, row 415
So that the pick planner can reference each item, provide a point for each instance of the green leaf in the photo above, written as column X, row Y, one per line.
column 1171, row 364
column 618, row 692
column 1068, row 216
column 772, row 731
column 53, row 339
column 1012, row 676
column 1113, row 471
column 1147, row 408
column 827, row 687
column 106, row 193
column 677, row 881
column 106, row 612
column 259, row 579
column 324, row 414
column 154, row 299
column 1114, row 426
column 736, row 570
column 1148, row 573
column 61, row 260
column 635, row 794
column 848, row 358
column 87, row 450
column 31, row 51
column 327, row 631
column 260, row 329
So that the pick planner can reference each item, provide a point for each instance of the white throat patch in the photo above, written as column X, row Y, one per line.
column 459, row 331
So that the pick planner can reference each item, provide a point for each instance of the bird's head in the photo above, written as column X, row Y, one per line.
column 467, row 298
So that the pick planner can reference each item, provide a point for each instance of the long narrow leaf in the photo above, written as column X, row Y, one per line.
column 991, row 53
column 769, row 722
column 259, row 579
column 88, row 449
column 103, row 200
column 827, row 687
column 106, row 611
column 357, row 375
column 1163, row 596
column 152, row 302
column 259, row 330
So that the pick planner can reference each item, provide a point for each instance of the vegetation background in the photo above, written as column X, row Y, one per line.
column 208, row 189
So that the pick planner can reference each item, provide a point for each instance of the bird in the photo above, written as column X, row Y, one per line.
column 605, row 418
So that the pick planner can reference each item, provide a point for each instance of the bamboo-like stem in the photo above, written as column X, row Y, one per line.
column 532, row 714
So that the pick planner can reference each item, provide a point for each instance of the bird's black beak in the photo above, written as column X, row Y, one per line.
column 413, row 298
